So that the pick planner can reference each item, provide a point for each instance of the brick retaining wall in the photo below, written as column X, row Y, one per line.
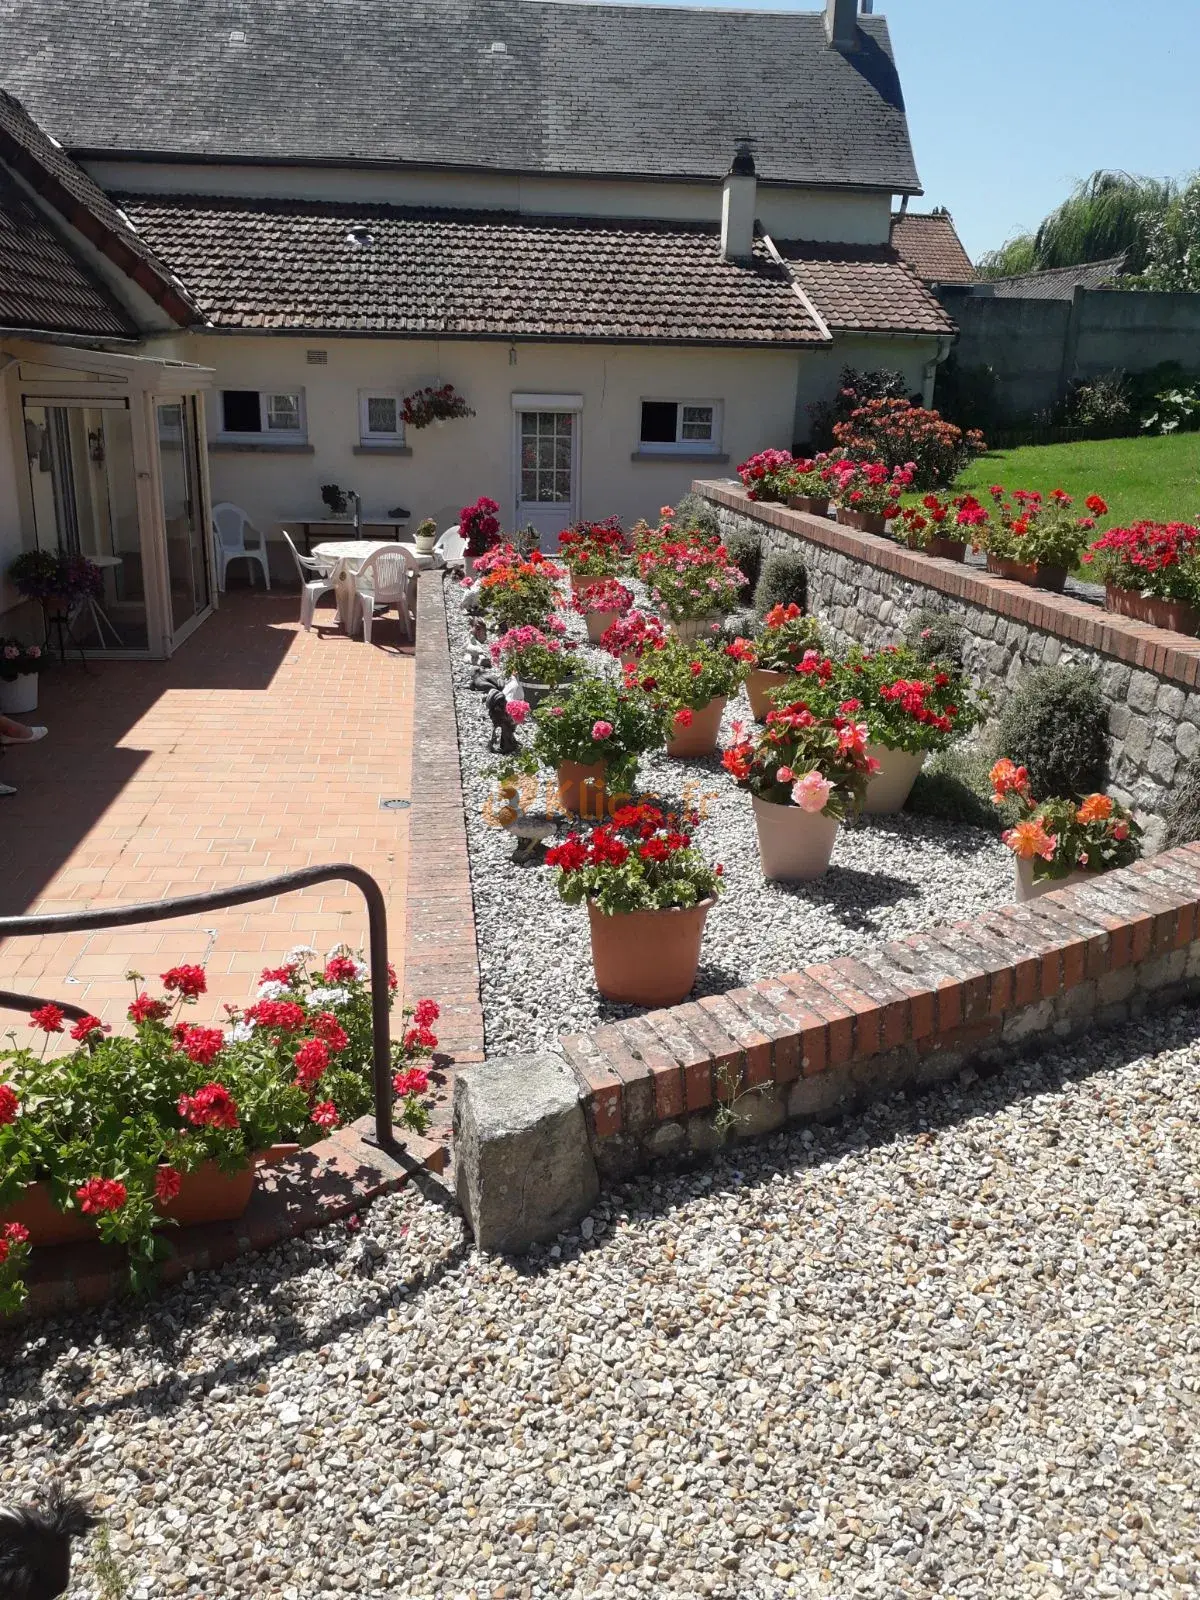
column 865, row 587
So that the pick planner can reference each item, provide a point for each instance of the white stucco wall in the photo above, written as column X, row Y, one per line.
column 820, row 371
column 452, row 465
column 842, row 215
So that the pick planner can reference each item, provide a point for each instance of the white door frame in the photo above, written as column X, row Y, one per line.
column 571, row 403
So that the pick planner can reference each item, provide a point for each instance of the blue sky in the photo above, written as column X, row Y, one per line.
column 1010, row 101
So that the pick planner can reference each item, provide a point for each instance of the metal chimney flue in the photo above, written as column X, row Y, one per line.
column 739, row 201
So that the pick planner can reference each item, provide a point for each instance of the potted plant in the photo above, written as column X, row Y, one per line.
column 335, row 499
column 787, row 638
column 808, row 485
column 867, row 493
column 692, row 582
column 479, row 526
column 60, row 582
column 768, row 475
column 1036, row 539
column 594, row 552
column 515, row 593
column 539, row 658
column 911, row 707
column 434, row 405
column 648, row 892
column 1151, row 571
column 692, row 683
column 425, row 536
column 600, row 604
column 592, row 736
column 803, row 773
column 942, row 528
column 125, row 1134
column 1059, row 842
column 19, row 668
column 628, row 638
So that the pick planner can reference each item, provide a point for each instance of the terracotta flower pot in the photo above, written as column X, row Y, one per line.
column 275, row 1153
column 946, row 550
column 693, row 628
column 864, row 521
column 1028, row 572
column 599, row 622
column 647, row 958
column 19, row 694
column 891, row 786
column 817, row 505
column 210, row 1195
column 580, row 585
column 1176, row 615
column 468, row 566
column 700, row 739
column 1027, row 889
column 793, row 845
column 582, row 790
column 46, row 1223
column 759, row 684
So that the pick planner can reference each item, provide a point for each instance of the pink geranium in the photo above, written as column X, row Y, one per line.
column 602, row 729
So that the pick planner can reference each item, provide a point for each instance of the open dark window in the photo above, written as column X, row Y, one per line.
column 660, row 421
column 241, row 411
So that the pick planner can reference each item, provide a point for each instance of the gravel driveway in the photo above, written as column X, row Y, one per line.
column 947, row 1349
column 890, row 876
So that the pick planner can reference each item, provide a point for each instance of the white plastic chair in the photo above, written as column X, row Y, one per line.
column 384, row 582
column 229, row 537
column 451, row 546
column 314, row 581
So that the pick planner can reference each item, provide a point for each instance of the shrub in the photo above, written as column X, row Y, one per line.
column 954, row 786
column 745, row 551
column 1182, row 813
column 694, row 514
column 933, row 636
column 1055, row 724
column 1103, row 404
column 854, row 388
column 897, row 432
column 968, row 396
column 782, row 582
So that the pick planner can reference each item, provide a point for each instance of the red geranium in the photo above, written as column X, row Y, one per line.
column 311, row 1062
column 167, row 1184
column 341, row 969
column 210, row 1107
column 414, row 1080
column 201, row 1045
column 287, row 1015
column 49, row 1018
column 86, row 1026
column 99, row 1195
column 325, row 1115
column 144, row 1009
column 328, row 1029
column 188, row 981
column 9, row 1104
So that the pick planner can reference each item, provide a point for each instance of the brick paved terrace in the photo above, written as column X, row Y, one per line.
column 257, row 749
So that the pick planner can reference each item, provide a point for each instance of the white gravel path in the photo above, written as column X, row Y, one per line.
column 948, row 1349
column 890, row 876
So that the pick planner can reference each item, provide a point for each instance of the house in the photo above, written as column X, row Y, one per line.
column 928, row 242
column 639, row 242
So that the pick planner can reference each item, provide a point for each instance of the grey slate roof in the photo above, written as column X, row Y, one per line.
column 579, row 88
column 42, row 286
column 290, row 265
column 1058, row 283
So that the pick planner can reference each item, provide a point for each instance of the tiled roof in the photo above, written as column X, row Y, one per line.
column 864, row 288
column 26, row 149
column 929, row 242
column 42, row 285
column 514, row 85
column 1059, row 283
column 281, row 264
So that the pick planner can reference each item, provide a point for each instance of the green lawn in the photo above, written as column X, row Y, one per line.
column 1156, row 479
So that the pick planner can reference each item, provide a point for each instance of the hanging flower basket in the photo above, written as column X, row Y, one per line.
column 427, row 406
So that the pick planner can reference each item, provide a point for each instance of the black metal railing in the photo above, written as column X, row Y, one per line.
column 221, row 900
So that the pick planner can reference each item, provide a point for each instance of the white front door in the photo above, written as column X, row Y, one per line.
column 547, row 472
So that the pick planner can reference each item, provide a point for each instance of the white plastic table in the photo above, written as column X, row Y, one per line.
column 341, row 560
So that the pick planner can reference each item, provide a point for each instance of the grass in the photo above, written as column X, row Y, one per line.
column 1152, row 478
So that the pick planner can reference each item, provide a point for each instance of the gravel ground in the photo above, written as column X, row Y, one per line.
column 890, row 876
column 948, row 1349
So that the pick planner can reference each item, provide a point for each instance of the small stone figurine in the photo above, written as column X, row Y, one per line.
column 503, row 738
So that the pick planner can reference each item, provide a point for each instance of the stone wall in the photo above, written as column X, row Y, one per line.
column 865, row 587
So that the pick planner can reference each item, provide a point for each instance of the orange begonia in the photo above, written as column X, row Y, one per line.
column 1096, row 808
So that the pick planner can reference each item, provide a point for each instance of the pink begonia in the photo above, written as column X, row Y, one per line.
column 518, row 710
column 602, row 729
column 811, row 792
column 786, row 775
column 853, row 737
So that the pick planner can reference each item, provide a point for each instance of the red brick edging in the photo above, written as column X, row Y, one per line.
column 913, row 1010
column 1169, row 655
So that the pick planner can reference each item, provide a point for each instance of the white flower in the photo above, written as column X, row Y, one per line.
column 299, row 953
column 272, row 989
column 239, row 1033
column 328, row 997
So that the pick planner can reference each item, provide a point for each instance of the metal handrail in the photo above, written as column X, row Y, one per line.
column 220, row 900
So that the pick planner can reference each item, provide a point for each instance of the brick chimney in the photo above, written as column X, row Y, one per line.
column 841, row 24
column 739, row 201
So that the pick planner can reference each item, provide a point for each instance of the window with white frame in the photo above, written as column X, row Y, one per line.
column 683, row 426
column 257, row 414
column 380, row 417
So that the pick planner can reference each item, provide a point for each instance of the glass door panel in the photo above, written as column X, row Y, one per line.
column 186, row 535
column 547, row 461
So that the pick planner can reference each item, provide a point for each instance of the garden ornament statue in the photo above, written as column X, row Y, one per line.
column 503, row 738
column 35, row 1546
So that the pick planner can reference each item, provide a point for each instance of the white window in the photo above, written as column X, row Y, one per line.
column 691, row 427
column 253, row 413
column 380, row 418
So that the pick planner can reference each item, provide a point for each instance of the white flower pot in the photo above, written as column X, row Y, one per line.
column 424, row 547
column 598, row 624
column 20, row 694
column 891, row 786
column 693, row 628
column 1028, row 890
column 794, row 845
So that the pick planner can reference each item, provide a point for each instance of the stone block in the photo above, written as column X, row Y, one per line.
column 1114, row 680
column 668, row 1139
column 1162, row 761
column 1031, row 1020
column 822, row 1096
column 760, row 1111
column 1171, row 701
column 525, row 1167
column 1187, row 739
column 1142, row 691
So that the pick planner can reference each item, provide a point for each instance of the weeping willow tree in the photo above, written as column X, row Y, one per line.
column 1105, row 215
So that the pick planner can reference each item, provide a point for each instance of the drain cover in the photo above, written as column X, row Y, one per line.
column 394, row 805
